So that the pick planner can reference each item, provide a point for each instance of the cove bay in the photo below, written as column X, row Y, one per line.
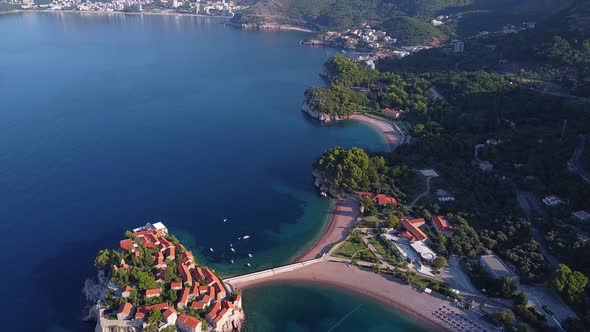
column 109, row 121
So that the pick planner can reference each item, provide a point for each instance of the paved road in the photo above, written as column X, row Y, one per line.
column 531, row 208
column 425, row 193
column 575, row 162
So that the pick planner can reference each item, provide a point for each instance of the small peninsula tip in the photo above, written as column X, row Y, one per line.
column 151, row 282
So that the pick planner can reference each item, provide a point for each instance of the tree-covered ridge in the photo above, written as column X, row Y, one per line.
column 416, row 31
column 406, row 20
column 355, row 88
column 335, row 101
column 350, row 170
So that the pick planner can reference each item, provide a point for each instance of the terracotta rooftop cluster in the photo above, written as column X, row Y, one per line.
column 200, row 288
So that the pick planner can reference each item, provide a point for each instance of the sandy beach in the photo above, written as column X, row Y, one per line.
column 342, row 217
column 382, row 288
column 391, row 134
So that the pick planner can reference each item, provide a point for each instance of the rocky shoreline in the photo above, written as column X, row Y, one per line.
column 323, row 117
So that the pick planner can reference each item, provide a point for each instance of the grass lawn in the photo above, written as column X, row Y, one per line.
column 354, row 247
column 371, row 221
column 385, row 250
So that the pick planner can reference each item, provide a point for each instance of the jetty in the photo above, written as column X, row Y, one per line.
column 235, row 282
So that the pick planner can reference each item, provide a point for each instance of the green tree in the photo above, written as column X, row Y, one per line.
column 569, row 283
column 128, row 234
column 507, row 288
column 369, row 208
column 145, row 280
column 521, row 299
column 344, row 169
column 172, row 295
column 102, row 259
column 154, row 316
column 393, row 221
column 439, row 262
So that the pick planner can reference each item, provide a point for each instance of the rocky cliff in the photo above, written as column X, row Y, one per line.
column 323, row 186
column 323, row 117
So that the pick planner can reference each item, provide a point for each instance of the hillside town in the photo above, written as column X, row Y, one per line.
column 156, row 283
column 199, row 7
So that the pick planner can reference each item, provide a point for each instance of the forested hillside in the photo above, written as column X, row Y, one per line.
column 407, row 19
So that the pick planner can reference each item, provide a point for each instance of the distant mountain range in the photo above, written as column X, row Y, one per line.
column 407, row 20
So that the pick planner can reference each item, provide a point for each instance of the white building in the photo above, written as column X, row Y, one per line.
column 552, row 201
column 581, row 215
column 426, row 254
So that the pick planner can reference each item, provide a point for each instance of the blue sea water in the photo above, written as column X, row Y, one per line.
column 110, row 121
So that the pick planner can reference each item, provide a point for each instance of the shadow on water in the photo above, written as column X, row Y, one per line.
column 58, row 282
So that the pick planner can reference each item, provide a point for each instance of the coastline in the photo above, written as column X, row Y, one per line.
column 342, row 216
column 167, row 13
column 382, row 288
column 151, row 13
column 385, row 128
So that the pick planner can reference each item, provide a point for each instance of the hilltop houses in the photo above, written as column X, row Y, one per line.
column 186, row 296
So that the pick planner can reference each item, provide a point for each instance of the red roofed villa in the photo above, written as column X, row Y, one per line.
column 413, row 227
column 441, row 224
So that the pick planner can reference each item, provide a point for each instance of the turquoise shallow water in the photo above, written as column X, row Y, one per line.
column 297, row 307
column 109, row 121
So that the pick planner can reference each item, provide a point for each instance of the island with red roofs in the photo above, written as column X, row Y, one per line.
column 151, row 282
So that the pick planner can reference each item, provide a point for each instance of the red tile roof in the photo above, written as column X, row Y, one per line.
column 171, row 253
column 392, row 112
column 184, row 296
column 176, row 285
column 413, row 227
column 152, row 292
column 383, row 199
column 126, row 244
column 142, row 311
column 168, row 312
column 189, row 321
column 440, row 222
column 185, row 274
column 198, row 304
column 125, row 308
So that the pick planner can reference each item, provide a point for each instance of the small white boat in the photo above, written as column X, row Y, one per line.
column 233, row 250
column 248, row 264
column 211, row 249
column 246, row 237
column 231, row 245
column 250, row 255
column 239, row 238
column 323, row 193
column 232, row 261
column 224, row 220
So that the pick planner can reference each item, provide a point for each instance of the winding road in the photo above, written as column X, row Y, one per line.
column 419, row 197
